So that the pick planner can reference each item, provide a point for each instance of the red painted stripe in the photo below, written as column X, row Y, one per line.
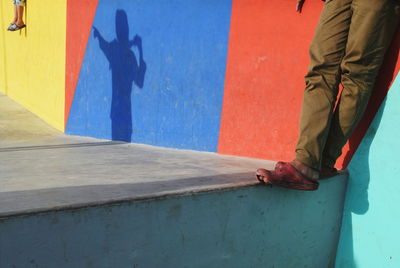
column 267, row 60
column 80, row 15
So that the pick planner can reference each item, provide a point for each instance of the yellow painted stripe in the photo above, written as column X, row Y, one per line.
column 33, row 59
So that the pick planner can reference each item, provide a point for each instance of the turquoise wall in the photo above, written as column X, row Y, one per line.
column 246, row 227
column 370, row 232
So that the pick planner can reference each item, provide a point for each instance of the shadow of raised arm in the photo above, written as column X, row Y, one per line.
column 141, row 68
column 104, row 45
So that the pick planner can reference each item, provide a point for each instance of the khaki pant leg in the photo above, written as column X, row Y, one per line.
column 372, row 27
column 326, row 52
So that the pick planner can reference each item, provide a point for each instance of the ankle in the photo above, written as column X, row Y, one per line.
column 305, row 170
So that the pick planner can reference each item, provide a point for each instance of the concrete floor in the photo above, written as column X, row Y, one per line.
column 19, row 126
column 42, row 169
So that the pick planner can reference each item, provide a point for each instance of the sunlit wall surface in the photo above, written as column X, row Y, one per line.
column 371, row 218
column 32, row 65
column 221, row 76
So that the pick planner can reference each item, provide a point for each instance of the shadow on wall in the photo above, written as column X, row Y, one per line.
column 126, row 69
column 26, row 19
column 357, row 201
column 382, row 85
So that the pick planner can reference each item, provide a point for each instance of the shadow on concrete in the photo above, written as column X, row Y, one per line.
column 126, row 69
column 93, row 195
column 58, row 146
column 241, row 227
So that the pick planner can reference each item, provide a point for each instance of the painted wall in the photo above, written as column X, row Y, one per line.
column 267, row 60
column 197, row 90
column 153, row 73
column 221, row 76
column 370, row 231
column 32, row 68
column 80, row 15
column 247, row 227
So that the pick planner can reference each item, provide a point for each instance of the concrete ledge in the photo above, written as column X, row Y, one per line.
column 253, row 226
column 92, row 172
column 79, row 202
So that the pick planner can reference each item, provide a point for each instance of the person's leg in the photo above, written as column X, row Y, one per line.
column 372, row 27
column 12, row 26
column 20, row 13
column 15, row 15
column 322, row 80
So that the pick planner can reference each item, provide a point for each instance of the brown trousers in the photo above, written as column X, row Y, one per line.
column 348, row 48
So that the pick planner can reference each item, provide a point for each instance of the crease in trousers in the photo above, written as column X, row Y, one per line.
column 348, row 48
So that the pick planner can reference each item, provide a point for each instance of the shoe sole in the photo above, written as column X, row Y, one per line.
column 290, row 185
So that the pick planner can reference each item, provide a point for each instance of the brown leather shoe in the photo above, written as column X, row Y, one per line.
column 285, row 175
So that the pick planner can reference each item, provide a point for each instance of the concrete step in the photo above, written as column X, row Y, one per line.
column 80, row 172
column 102, row 204
column 79, row 202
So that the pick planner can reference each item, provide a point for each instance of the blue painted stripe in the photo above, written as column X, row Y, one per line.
column 171, row 98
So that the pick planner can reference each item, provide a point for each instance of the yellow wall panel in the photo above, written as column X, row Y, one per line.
column 32, row 68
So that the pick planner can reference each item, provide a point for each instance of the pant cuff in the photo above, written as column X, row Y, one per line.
column 308, row 161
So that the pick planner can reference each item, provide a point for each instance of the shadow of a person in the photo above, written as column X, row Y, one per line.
column 125, row 70
column 357, row 201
